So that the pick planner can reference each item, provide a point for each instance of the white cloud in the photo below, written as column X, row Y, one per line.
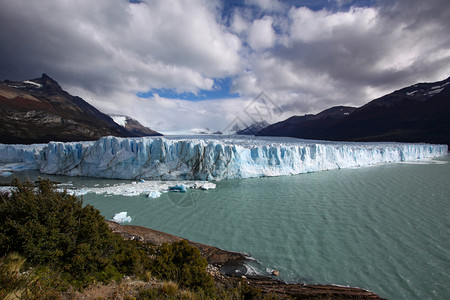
column 333, row 58
column 106, row 51
column 310, row 26
column 261, row 34
column 239, row 24
column 169, row 115
column 184, row 34
column 329, row 58
column 156, row 44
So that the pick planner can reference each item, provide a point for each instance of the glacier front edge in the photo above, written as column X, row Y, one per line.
column 210, row 157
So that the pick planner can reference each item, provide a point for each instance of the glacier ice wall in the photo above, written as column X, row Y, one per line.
column 210, row 158
column 26, row 154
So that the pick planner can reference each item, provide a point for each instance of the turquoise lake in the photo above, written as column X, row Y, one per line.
column 383, row 228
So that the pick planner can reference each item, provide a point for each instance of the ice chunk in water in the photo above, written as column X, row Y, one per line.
column 121, row 217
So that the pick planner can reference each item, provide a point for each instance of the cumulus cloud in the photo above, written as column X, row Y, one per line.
column 304, row 59
column 239, row 24
column 106, row 44
column 327, row 58
column 261, row 34
column 172, row 115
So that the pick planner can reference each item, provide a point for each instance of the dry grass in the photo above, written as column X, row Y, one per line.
column 169, row 288
column 188, row 295
column 16, row 283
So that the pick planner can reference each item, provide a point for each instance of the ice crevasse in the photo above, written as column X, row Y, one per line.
column 207, row 157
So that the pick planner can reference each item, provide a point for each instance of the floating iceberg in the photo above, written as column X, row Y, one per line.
column 121, row 217
column 205, row 186
column 178, row 188
column 152, row 189
column 208, row 157
column 154, row 194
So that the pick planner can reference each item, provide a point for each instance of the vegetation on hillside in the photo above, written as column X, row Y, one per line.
column 54, row 229
column 51, row 244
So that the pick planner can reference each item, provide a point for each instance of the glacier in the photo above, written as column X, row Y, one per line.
column 205, row 158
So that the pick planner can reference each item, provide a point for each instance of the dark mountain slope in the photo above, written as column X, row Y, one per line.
column 309, row 126
column 419, row 113
column 39, row 111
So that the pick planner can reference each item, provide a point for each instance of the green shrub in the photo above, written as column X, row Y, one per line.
column 249, row 292
column 70, row 244
column 183, row 263
column 169, row 290
column 148, row 294
column 54, row 229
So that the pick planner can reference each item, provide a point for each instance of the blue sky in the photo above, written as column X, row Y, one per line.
column 220, row 90
column 229, row 6
column 178, row 65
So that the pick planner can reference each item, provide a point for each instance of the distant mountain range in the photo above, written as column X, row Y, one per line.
column 206, row 130
column 418, row 113
column 39, row 111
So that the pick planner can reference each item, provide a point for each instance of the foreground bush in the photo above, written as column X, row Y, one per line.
column 69, row 246
column 183, row 263
column 53, row 228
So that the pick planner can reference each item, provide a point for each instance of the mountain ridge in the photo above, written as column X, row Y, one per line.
column 417, row 113
column 39, row 111
column 253, row 129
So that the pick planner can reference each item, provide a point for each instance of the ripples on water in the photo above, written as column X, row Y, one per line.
column 383, row 228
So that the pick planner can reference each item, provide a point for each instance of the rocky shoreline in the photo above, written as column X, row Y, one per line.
column 220, row 260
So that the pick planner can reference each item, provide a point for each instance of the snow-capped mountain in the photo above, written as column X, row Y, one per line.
column 418, row 113
column 203, row 131
column 133, row 126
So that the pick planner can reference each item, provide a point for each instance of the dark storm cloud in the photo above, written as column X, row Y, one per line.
column 46, row 37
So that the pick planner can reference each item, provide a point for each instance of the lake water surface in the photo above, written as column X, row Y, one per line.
column 383, row 228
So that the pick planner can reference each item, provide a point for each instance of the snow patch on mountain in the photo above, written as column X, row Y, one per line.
column 434, row 92
column 427, row 90
column 38, row 85
column 121, row 120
